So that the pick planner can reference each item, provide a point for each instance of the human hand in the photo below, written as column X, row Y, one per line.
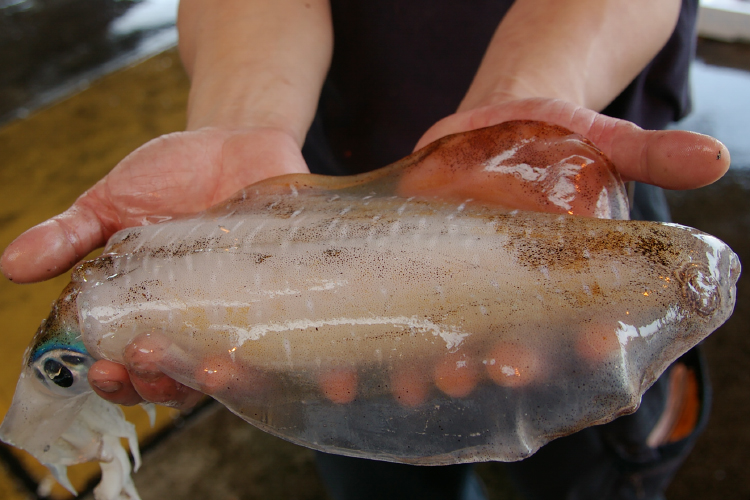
column 672, row 159
column 173, row 175
column 176, row 174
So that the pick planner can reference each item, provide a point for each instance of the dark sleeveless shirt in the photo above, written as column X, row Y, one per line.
column 400, row 66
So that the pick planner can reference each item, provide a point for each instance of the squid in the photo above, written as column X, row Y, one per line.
column 471, row 302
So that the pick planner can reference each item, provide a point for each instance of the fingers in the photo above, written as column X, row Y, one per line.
column 672, row 159
column 456, row 375
column 159, row 388
column 111, row 382
column 339, row 384
column 142, row 379
column 54, row 246
column 143, row 358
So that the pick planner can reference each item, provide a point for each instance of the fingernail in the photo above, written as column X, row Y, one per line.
column 107, row 386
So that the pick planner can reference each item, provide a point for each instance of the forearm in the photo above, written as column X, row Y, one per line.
column 255, row 63
column 582, row 51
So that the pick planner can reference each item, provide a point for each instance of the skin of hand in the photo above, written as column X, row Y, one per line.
column 173, row 175
column 598, row 47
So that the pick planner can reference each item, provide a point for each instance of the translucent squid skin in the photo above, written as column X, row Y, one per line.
column 471, row 302
column 308, row 315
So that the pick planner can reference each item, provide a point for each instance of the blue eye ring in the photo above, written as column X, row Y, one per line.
column 76, row 351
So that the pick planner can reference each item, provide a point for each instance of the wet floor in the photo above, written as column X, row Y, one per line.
column 50, row 156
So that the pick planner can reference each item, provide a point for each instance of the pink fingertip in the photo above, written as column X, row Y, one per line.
column 680, row 159
column 40, row 253
column 339, row 384
column 111, row 382
column 145, row 351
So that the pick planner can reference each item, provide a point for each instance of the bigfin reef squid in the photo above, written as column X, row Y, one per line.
column 471, row 302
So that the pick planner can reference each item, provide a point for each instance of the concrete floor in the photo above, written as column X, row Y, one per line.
column 52, row 156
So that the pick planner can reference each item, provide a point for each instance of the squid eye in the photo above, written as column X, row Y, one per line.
column 63, row 371
column 58, row 373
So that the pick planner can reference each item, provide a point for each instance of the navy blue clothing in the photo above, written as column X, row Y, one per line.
column 400, row 66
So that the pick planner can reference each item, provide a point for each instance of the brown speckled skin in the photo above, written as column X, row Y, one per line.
column 62, row 323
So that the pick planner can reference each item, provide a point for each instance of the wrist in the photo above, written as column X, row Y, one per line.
column 228, row 105
column 255, row 63
column 584, row 52
column 510, row 89
column 532, row 73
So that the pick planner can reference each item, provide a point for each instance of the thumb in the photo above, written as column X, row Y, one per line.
column 54, row 246
column 672, row 159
